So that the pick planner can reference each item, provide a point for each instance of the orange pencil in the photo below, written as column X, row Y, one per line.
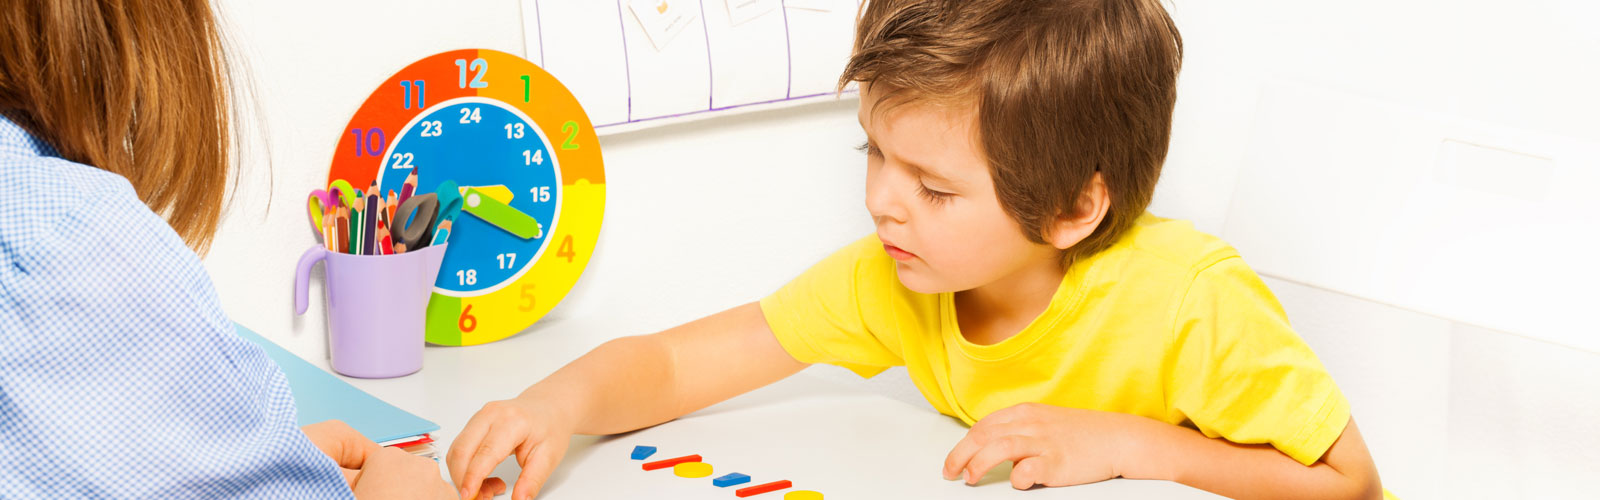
column 390, row 204
column 327, row 233
column 341, row 230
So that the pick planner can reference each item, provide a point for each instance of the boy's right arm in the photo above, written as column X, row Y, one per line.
column 623, row 385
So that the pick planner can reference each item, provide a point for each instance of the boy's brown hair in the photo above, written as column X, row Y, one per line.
column 1063, row 89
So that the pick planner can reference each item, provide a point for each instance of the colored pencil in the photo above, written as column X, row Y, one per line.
column 355, row 230
column 342, row 230
column 390, row 204
column 410, row 185
column 369, row 240
column 442, row 233
column 384, row 245
column 327, row 232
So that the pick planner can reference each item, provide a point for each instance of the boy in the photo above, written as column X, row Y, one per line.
column 1013, row 146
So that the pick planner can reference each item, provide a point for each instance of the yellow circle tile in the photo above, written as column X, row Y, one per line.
column 692, row 469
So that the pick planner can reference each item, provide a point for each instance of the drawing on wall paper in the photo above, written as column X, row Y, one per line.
column 639, row 63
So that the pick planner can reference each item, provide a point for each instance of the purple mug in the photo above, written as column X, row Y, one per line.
column 377, row 308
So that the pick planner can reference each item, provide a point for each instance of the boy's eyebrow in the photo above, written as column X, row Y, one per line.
column 916, row 168
column 922, row 171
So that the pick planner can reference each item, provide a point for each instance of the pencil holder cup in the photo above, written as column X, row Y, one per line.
column 377, row 307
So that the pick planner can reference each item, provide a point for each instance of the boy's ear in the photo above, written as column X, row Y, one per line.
column 1069, row 228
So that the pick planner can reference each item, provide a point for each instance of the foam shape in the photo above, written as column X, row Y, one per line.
column 643, row 452
column 692, row 469
column 730, row 480
column 763, row 488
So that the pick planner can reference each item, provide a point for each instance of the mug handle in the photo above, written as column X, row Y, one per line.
column 302, row 276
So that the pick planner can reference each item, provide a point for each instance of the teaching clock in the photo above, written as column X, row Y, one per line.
column 529, row 171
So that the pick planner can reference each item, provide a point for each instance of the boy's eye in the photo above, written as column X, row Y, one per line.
column 934, row 197
column 868, row 148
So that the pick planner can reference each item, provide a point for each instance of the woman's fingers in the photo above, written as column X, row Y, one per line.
column 340, row 442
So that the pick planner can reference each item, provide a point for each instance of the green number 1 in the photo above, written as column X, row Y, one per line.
column 524, row 88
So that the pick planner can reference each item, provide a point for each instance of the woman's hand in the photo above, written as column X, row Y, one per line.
column 1049, row 445
column 375, row 472
column 534, row 433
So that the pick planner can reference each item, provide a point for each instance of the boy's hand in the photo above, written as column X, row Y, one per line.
column 1049, row 445
column 534, row 433
column 373, row 471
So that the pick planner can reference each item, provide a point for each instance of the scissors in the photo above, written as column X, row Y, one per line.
column 414, row 218
column 318, row 205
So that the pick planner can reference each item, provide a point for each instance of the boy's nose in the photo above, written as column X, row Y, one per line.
column 881, row 201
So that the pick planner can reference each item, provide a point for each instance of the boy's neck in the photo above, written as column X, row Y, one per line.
column 999, row 310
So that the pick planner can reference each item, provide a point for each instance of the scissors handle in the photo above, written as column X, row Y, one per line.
column 413, row 220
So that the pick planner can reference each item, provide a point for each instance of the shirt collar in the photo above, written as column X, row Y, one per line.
column 15, row 139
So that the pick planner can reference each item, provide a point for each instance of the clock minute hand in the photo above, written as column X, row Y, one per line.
column 499, row 214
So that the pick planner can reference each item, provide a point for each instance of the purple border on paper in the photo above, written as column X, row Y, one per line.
column 788, row 48
column 538, row 22
column 711, row 97
column 725, row 108
column 711, row 75
column 627, row 67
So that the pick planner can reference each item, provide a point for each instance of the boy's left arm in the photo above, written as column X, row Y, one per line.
column 1056, row 446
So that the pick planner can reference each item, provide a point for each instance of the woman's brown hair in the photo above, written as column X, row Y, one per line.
column 1063, row 89
column 135, row 87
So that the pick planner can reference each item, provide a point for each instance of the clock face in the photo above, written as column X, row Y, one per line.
column 500, row 125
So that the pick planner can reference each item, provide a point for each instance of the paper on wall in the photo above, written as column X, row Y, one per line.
column 740, row 11
column 822, row 5
column 663, row 20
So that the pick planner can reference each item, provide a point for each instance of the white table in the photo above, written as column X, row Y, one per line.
column 841, row 441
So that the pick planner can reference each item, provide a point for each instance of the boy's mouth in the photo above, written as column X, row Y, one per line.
column 897, row 253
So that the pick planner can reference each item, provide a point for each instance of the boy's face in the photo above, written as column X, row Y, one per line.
column 933, row 201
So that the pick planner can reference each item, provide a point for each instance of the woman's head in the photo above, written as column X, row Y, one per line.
column 138, row 88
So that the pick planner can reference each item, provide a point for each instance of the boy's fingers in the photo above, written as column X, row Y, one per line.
column 977, row 437
column 492, row 487
column 492, row 450
column 1027, row 472
column 462, row 447
column 1014, row 448
column 536, row 470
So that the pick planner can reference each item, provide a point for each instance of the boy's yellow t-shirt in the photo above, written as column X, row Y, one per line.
column 1169, row 323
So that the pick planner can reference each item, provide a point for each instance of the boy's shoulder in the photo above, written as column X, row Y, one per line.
column 1168, row 245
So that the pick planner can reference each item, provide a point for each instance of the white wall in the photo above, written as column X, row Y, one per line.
column 710, row 214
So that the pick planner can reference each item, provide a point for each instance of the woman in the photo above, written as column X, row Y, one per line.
column 120, row 374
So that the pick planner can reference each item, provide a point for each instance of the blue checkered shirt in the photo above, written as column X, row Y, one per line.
column 120, row 375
